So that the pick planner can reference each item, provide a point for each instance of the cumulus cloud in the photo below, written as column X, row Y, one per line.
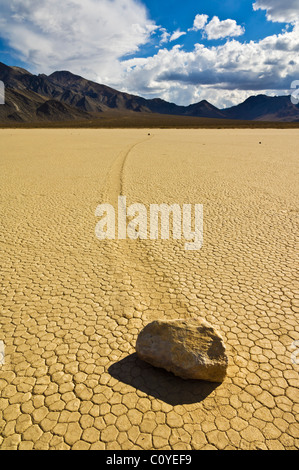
column 94, row 39
column 217, row 29
column 199, row 22
column 86, row 37
column 223, row 74
column 280, row 11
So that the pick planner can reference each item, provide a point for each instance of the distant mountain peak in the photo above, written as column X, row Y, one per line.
column 21, row 70
column 64, row 74
column 82, row 98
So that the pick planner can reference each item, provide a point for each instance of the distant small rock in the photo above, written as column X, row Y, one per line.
column 190, row 349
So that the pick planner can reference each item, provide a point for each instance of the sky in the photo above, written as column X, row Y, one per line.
column 181, row 51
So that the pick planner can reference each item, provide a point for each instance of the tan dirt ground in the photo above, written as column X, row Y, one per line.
column 72, row 306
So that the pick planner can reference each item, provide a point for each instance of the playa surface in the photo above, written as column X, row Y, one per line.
column 72, row 305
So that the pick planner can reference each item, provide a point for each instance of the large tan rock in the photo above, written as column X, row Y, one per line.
column 189, row 349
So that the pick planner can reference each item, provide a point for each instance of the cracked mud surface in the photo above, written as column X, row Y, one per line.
column 72, row 306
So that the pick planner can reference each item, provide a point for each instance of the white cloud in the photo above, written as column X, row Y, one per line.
column 168, row 37
column 91, row 38
column 199, row 22
column 217, row 29
column 85, row 37
column 224, row 74
column 176, row 35
column 164, row 36
column 280, row 11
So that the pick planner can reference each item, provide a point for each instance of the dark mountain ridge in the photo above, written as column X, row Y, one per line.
column 65, row 96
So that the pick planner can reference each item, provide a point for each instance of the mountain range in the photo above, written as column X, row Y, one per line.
column 63, row 96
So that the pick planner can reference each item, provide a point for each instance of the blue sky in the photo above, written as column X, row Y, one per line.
column 223, row 51
column 175, row 14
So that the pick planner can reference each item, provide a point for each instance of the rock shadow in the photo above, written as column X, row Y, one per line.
column 159, row 383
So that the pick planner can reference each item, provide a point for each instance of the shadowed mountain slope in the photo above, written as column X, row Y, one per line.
column 65, row 96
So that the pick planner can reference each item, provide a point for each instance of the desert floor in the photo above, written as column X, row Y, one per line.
column 72, row 305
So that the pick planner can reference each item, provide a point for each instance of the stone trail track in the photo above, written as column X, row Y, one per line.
column 72, row 306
